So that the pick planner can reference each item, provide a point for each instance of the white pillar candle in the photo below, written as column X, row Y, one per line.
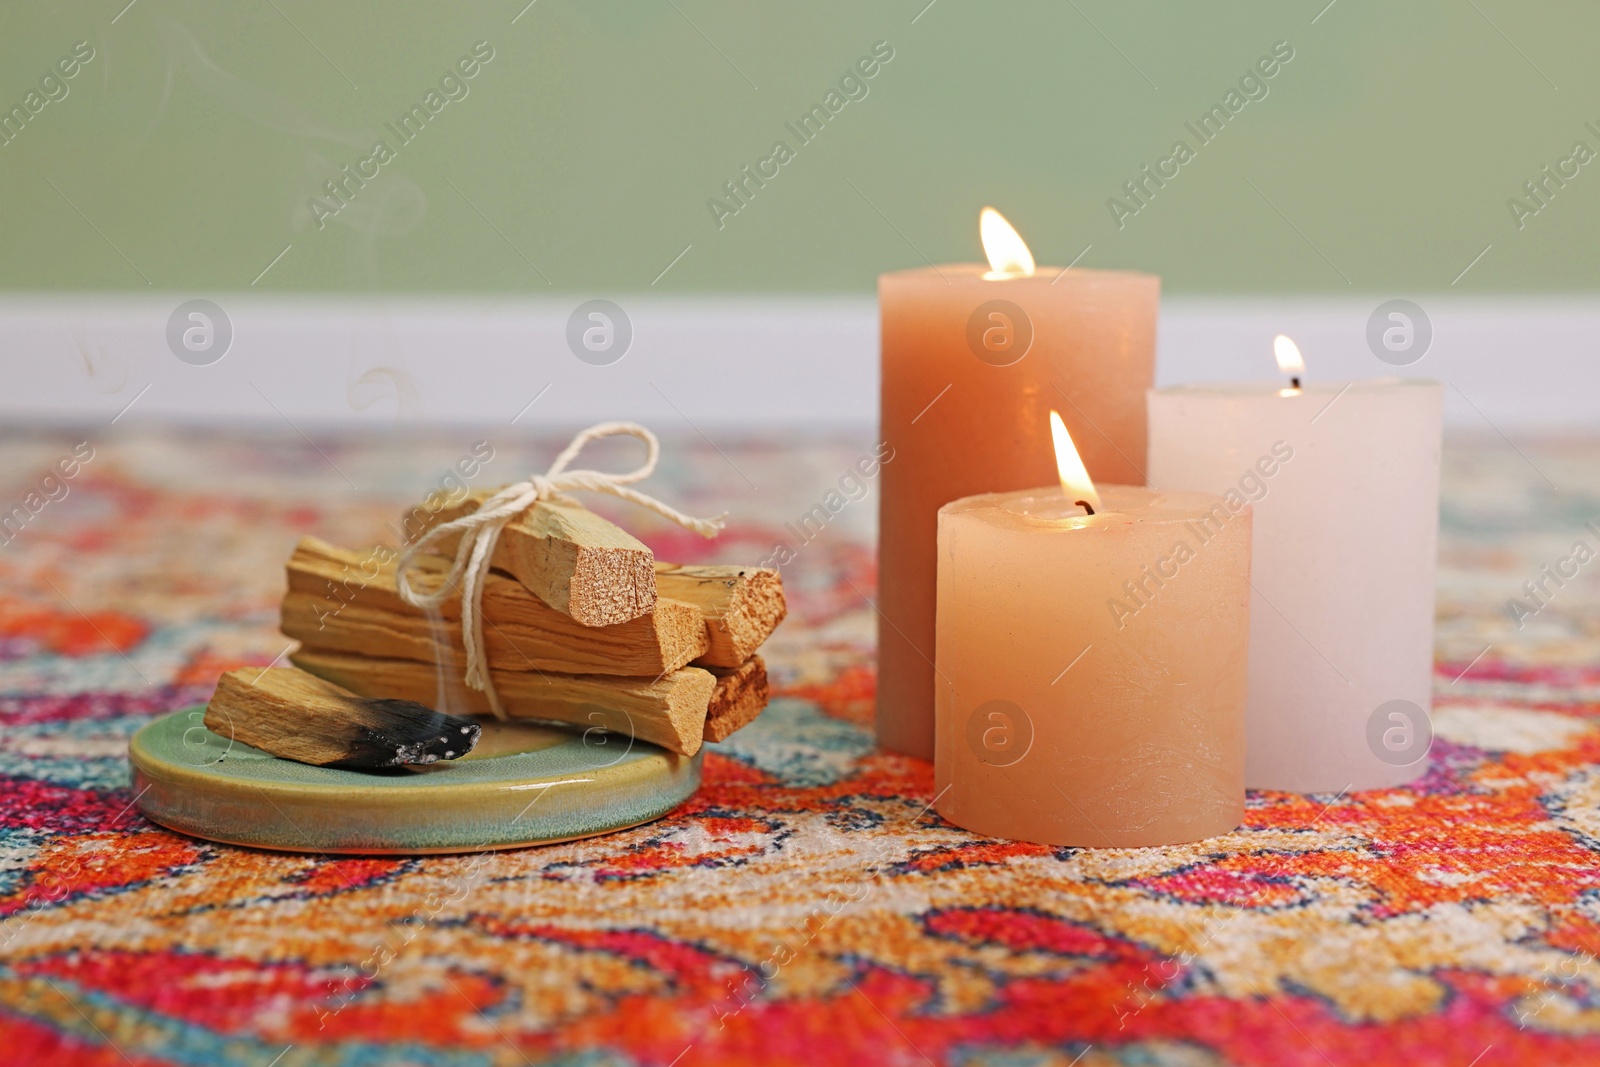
column 1344, row 480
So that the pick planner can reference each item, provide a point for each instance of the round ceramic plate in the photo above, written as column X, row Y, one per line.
column 524, row 784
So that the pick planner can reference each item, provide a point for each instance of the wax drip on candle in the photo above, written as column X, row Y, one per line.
column 1007, row 252
column 1289, row 360
column 1075, row 480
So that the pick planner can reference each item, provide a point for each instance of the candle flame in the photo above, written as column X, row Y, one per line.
column 1288, row 353
column 1007, row 251
column 1075, row 480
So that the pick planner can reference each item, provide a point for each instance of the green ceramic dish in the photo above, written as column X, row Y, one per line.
column 524, row 784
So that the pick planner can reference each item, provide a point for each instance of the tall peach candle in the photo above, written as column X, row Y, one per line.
column 973, row 358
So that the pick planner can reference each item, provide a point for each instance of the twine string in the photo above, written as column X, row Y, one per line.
column 480, row 531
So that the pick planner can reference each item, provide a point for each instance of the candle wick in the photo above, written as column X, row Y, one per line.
column 1084, row 504
column 1294, row 382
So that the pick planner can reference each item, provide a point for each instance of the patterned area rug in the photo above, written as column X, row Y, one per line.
column 807, row 906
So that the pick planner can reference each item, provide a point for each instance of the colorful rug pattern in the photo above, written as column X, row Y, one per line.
column 807, row 906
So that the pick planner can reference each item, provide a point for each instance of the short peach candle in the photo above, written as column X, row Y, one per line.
column 974, row 357
column 1091, row 668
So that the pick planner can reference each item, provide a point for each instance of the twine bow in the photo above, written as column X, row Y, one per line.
column 481, row 529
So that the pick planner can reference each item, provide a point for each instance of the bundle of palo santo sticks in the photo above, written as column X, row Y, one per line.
column 581, row 625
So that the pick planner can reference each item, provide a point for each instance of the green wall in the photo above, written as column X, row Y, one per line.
column 185, row 153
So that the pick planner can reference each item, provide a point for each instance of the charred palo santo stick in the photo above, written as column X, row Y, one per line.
column 669, row 711
column 289, row 713
column 347, row 601
column 741, row 606
column 575, row 561
column 740, row 695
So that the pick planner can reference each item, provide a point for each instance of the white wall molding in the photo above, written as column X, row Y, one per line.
column 1517, row 363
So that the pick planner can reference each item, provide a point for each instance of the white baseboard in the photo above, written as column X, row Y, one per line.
column 1514, row 363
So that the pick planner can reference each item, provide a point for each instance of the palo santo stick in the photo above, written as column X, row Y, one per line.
column 575, row 561
column 740, row 695
column 741, row 606
column 669, row 711
column 289, row 713
column 347, row 601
